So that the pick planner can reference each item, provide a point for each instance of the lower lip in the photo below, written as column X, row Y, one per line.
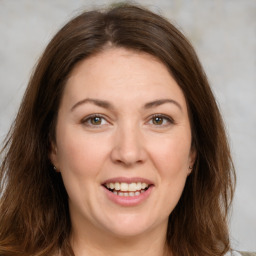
column 128, row 200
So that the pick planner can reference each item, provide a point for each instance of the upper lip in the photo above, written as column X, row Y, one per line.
column 128, row 180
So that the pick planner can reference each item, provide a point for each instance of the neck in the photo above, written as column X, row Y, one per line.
column 98, row 242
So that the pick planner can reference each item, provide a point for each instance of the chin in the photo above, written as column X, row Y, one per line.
column 128, row 226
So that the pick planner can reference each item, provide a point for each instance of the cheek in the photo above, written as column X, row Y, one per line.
column 172, row 155
column 80, row 159
column 79, row 153
column 171, row 161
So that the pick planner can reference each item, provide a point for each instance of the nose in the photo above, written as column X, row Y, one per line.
column 128, row 148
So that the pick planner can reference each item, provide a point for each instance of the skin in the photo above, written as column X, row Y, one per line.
column 125, row 141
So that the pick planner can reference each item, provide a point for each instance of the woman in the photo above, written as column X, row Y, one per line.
column 118, row 147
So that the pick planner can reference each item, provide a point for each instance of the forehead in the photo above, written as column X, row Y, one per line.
column 121, row 73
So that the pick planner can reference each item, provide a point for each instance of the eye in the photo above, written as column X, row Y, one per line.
column 158, row 120
column 94, row 120
column 161, row 120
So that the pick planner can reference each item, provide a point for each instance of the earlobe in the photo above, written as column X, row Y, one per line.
column 193, row 155
column 53, row 157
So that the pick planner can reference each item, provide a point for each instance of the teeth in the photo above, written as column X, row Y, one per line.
column 137, row 193
column 117, row 186
column 132, row 187
column 127, row 187
column 144, row 185
column 124, row 186
column 138, row 186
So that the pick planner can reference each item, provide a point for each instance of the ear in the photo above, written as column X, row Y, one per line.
column 192, row 159
column 53, row 155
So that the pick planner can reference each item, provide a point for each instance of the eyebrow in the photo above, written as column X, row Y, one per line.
column 100, row 103
column 161, row 102
column 108, row 105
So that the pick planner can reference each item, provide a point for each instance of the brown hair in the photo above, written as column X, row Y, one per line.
column 34, row 216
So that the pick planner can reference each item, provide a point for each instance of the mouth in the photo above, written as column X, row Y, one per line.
column 128, row 192
column 125, row 189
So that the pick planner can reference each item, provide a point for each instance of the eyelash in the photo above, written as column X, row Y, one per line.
column 168, row 119
column 88, row 119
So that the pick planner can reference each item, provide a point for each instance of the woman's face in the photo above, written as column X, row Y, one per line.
column 123, row 143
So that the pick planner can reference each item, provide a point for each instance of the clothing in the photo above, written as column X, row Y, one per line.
column 235, row 253
column 248, row 253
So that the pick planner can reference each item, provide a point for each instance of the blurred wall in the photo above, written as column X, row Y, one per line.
column 224, row 35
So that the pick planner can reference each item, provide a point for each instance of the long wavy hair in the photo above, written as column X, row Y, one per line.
column 34, row 215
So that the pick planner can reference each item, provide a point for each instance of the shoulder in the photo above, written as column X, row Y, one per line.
column 236, row 253
column 233, row 253
column 248, row 253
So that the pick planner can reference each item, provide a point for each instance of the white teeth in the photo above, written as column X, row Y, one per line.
column 128, row 187
column 124, row 186
column 127, row 194
column 117, row 186
column 144, row 185
column 132, row 187
column 138, row 186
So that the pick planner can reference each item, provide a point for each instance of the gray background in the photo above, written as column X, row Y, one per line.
column 224, row 35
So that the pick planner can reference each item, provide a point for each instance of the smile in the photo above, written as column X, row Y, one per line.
column 127, row 189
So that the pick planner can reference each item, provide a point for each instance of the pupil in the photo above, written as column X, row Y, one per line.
column 96, row 120
column 158, row 120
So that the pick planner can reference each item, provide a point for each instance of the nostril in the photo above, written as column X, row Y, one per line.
column 128, row 153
